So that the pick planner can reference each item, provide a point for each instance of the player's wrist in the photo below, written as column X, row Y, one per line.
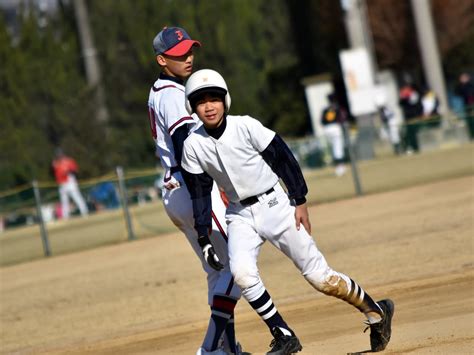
column 300, row 201
column 202, row 230
column 203, row 240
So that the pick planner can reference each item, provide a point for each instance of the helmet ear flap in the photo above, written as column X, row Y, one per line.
column 188, row 106
column 227, row 102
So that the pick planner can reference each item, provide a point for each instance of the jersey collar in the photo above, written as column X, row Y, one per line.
column 216, row 133
column 163, row 76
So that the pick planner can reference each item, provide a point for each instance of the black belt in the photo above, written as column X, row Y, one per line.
column 254, row 199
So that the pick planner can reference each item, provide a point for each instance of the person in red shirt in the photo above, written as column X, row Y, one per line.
column 65, row 170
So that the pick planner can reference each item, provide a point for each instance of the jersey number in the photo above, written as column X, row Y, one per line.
column 152, row 119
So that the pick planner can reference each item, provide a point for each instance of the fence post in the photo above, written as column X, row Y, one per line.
column 123, row 196
column 353, row 159
column 44, row 234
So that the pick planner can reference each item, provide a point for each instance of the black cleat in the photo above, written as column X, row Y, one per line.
column 380, row 332
column 284, row 344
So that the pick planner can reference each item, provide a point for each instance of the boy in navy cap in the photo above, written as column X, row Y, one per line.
column 170, row 125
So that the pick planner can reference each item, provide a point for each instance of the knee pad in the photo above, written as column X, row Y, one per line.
column 331, row 283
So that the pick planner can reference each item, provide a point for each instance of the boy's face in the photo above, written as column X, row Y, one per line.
column 179, row 67
column 210, row 110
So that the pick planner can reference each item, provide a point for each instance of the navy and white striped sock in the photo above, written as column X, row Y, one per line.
column 265, row 308
column 363, row 302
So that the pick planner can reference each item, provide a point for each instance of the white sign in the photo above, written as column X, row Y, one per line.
column 359, row 80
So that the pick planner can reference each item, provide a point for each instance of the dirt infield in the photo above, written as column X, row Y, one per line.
column 413, row 245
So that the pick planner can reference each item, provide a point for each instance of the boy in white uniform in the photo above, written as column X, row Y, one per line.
column 170, row 125
column 247, row 160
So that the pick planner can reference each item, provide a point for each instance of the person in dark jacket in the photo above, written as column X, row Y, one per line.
column 465, row 90
column 410, row 102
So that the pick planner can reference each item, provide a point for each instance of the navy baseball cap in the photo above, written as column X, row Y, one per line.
column 173, row 41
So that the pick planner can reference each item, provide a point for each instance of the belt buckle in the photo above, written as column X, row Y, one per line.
column 254, row 199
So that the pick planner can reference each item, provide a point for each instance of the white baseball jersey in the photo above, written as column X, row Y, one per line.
column 167, row 112
column 238, row 168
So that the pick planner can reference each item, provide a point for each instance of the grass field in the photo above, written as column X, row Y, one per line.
column 384, row 174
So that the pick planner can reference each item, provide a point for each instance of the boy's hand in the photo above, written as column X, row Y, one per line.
column 172, row 184
column 169, row 181
column 209, row 253
column 302, row 217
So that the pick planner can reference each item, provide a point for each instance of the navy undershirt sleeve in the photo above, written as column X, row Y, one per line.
column 282, row 161
column 178, row 137
column 200, row 187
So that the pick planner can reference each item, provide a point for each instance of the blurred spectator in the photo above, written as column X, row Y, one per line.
column 465, row 89
column 430, row 103
column 332, row 119
column 159, row 185
column 48, row 212
column 390, row 126
column 104, row 195
column 410, row 102
column 140, row 195
column 65, row 171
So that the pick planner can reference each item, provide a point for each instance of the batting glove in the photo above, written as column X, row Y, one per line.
column 209, row 253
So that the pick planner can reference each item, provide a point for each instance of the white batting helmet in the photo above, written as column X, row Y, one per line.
column 206, row 80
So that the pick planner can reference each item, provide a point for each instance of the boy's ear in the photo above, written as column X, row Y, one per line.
column 161, row 60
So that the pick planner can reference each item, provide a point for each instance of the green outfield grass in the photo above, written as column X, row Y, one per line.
column 150, row 220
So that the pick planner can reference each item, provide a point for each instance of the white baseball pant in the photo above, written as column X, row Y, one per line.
column 335, row 138
column 71, row 189
column 273, row 219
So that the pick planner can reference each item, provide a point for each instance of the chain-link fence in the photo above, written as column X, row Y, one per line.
column 389, row 139
column 18, row 206
column 125, row 204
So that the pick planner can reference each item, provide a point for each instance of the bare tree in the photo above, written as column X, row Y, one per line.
column 454, row 22
column 91, row 62
column 393, row 32
column 394, row 35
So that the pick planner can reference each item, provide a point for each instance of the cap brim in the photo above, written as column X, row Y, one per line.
column 207, row 90
column 182, row 48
